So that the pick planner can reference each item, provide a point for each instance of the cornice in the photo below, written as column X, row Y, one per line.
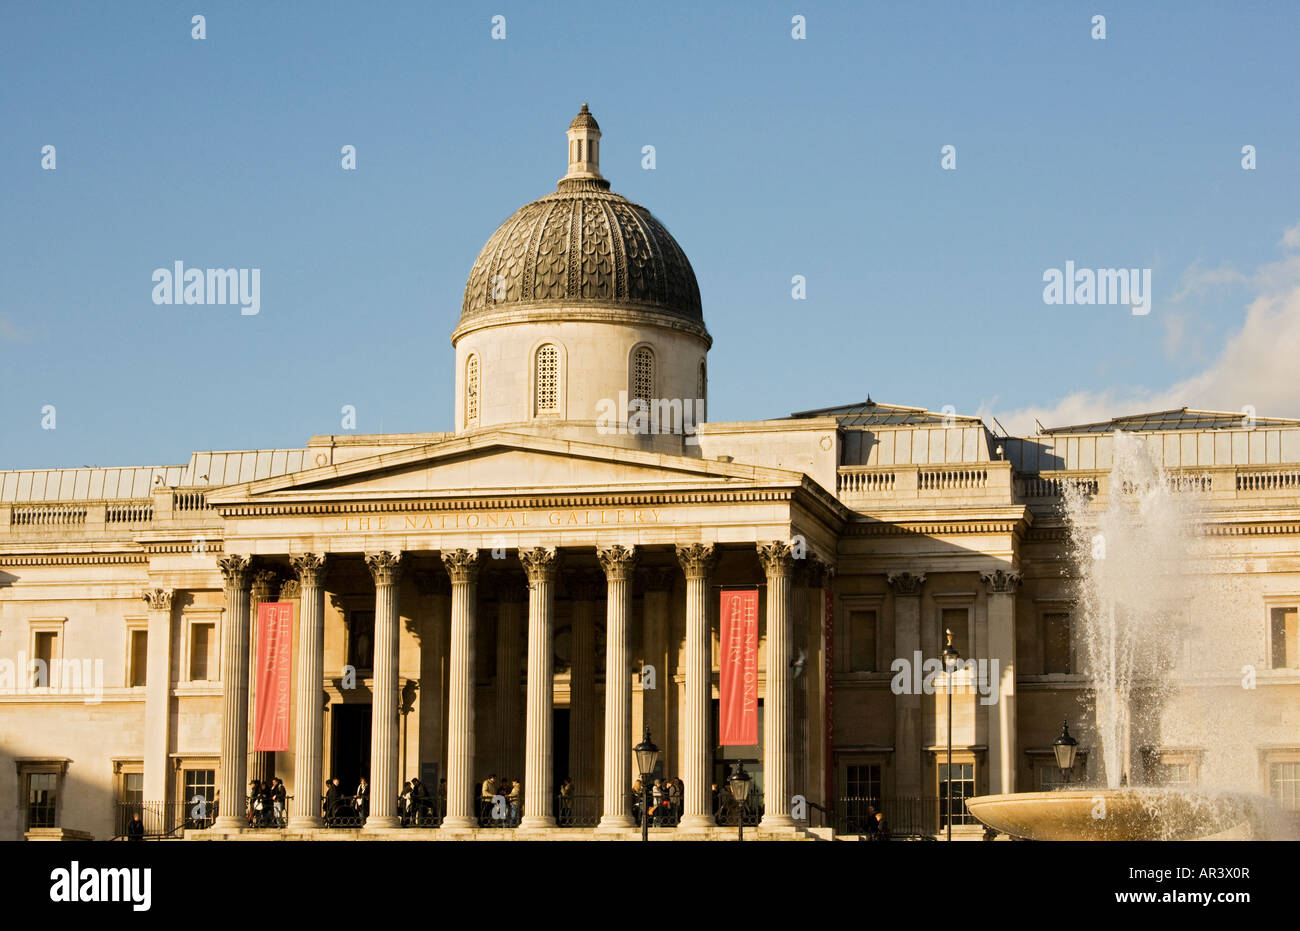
column 74, row 559
column 464, row 503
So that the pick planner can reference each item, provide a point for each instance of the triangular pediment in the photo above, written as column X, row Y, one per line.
column 500, row 463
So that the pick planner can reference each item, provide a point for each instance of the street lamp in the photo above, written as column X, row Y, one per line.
column 951, row 660
column 647, row 755
column 1065, row 747
column 740, row 792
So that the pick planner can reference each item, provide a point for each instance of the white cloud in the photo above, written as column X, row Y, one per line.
column 1258, row 365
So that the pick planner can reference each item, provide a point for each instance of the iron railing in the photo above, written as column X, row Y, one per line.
column 905, row 817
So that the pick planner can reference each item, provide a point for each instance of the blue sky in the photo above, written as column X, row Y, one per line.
column 775, row 158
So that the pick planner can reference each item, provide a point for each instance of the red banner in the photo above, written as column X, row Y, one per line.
column 274, row 646
column 738, row 683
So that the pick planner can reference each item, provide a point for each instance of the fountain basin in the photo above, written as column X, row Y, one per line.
column 1116, row 814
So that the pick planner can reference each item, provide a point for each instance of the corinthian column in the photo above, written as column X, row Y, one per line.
column 265, row 582
column 309, row 679
column 618, row 563
column 697, row 560
column 777, row 564
column 462, row 566
column 386, row 569
column 539, row 563
column 234, row 692
column 157, row 717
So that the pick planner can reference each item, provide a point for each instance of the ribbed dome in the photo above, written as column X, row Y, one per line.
column 582, row 246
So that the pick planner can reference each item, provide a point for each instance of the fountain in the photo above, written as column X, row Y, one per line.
column 1166, row 635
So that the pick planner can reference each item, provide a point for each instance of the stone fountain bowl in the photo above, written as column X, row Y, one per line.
column 1120, row 814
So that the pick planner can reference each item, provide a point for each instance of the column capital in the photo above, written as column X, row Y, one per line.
column 236, row 570
column 310, row 568
column 777, row 558
column 905, row 583
column 697, row 559
column 263, row 584
column 159, row 599
column 618, row 561
column 462, row 565
column 290, row 589
column 385, row 566
column 1001, row 582
column 540, row 563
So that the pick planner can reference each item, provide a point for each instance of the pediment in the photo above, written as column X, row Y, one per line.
column 500, row 464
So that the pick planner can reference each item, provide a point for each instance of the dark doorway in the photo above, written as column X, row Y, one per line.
column 351, row 743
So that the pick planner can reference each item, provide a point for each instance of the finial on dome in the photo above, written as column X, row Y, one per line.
column 584, row 148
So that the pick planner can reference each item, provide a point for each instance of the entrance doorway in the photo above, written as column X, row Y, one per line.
column 351, row 744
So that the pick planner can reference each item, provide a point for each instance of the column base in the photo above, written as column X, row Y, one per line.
column 230, row 823
column 615, row 823
column 383, row 821
column 459, row 823
column 536, row 823
column 776, row 822
column 305, row 823
column 696, row 823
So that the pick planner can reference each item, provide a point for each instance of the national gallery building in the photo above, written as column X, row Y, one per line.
column 525, row 597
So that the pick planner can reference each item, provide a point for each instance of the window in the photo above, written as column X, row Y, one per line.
column 45, row 652
column 643, row 374
column 200, row 793
column 471, row 391
column 42, row 800
column 361, row 639
column 1175, row 774
column 1056, row 643
column 1283, row 638
column 130, row 801
column 963, row 787
column 1284, row 785
column 701, row 387
column 137, row 660
column 862, row 641
column 201, row 645
column 861, row 791
column 547, row 392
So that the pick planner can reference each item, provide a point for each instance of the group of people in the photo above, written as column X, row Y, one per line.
column 665, row 801
column 415, row 806
column 512, row 790
column 266, row 803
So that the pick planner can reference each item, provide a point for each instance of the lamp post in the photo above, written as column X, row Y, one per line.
column 739, row 782
column 951, row 659
column 1065, row 747
column 647, row 755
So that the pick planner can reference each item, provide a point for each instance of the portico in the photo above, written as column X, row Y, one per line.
column 515, row 552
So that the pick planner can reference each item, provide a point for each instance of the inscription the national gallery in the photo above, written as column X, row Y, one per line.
column 503, row 520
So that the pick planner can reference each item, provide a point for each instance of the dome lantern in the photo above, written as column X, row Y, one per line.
column 584, row 150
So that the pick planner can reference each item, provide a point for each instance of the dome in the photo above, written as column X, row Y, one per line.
column 583, row 245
